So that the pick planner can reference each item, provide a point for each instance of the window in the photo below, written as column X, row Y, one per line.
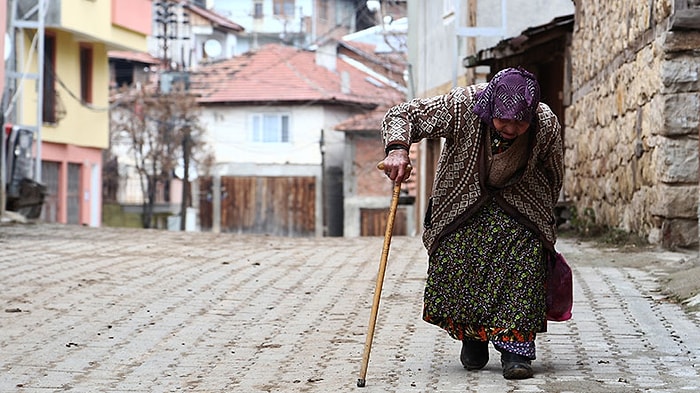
column 283, row 7
column 86, row 74
column 49, row 103
column 271, row 128
column 258, row 10
column 123, row 72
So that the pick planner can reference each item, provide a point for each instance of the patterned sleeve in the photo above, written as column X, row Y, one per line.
column 421, row 118
column 554, row 158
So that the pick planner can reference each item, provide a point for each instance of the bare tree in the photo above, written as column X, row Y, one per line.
column 189, row 136
column 158, row 129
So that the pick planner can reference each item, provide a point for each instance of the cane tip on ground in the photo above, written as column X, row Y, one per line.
column 360, row 383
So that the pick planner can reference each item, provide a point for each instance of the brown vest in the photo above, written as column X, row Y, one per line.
column 503, row 166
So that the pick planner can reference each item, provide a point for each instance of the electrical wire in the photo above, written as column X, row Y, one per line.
column 82, row 102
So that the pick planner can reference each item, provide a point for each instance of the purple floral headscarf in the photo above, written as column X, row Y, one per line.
column 513, row 93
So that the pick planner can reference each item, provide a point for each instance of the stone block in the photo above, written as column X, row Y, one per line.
column 627, row 181
column 676, row 160
column 646, row 168
column 680, row 74
column 682, row 114
column 679, row 233
column 643, row 77
column 680, row 41
column 653, row 116
column 637, row 215
column 601, row 110
column 676, row 201
column 654, row 236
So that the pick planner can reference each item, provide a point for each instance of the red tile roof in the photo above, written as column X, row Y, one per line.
column 283, row 74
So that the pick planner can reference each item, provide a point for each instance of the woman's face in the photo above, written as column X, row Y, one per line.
column 510, row 129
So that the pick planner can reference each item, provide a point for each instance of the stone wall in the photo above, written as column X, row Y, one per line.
column 632, row 126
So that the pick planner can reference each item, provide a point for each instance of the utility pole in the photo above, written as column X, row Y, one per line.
column 185, row 203
column 472, row 31
column 3, row 153
column 166, row 22
column 17, row 27
column 471, row 41
column 172, row 27
column 172, row 31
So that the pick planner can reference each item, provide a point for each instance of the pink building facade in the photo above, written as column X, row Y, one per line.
column 73, row 175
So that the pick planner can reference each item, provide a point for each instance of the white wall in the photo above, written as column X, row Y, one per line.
column 434, row 52
column 241, row 12
column 520, row 15
column 229, row 136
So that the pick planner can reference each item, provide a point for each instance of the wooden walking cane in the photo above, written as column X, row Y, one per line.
column 380, row 278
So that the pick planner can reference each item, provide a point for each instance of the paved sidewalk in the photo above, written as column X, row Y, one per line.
column 108, row 310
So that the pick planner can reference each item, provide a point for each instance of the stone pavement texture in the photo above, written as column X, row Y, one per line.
column 113, row 310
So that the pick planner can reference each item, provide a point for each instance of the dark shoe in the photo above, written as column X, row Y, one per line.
column 515, row 366
column 475, row 354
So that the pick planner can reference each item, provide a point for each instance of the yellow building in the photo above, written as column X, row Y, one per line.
column 67, row 105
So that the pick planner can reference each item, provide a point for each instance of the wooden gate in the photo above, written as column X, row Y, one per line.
column 373, row 222
column 281, row 206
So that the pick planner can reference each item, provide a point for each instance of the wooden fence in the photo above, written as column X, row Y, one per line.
column 281, row 206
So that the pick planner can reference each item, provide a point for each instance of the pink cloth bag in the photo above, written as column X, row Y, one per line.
column 560, row 296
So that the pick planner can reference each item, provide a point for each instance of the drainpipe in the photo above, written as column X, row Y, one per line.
column 40, row 86
column 3, row 161
column 3, row 155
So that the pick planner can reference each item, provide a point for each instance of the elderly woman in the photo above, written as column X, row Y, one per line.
column 489, row 227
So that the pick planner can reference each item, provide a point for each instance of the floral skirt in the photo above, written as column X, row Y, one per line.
column 486, row 280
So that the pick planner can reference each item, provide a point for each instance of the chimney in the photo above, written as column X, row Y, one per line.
column 327, row 54
column 345, row 82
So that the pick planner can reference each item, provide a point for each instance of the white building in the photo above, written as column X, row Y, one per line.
column 270, row 117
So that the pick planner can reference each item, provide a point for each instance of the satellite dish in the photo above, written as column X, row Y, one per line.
column 373, row 5
column 212, row 48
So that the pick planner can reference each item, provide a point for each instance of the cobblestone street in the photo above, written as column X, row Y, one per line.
column 114, row 310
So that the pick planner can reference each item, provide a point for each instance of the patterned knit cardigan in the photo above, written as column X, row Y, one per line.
column 460, row 186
